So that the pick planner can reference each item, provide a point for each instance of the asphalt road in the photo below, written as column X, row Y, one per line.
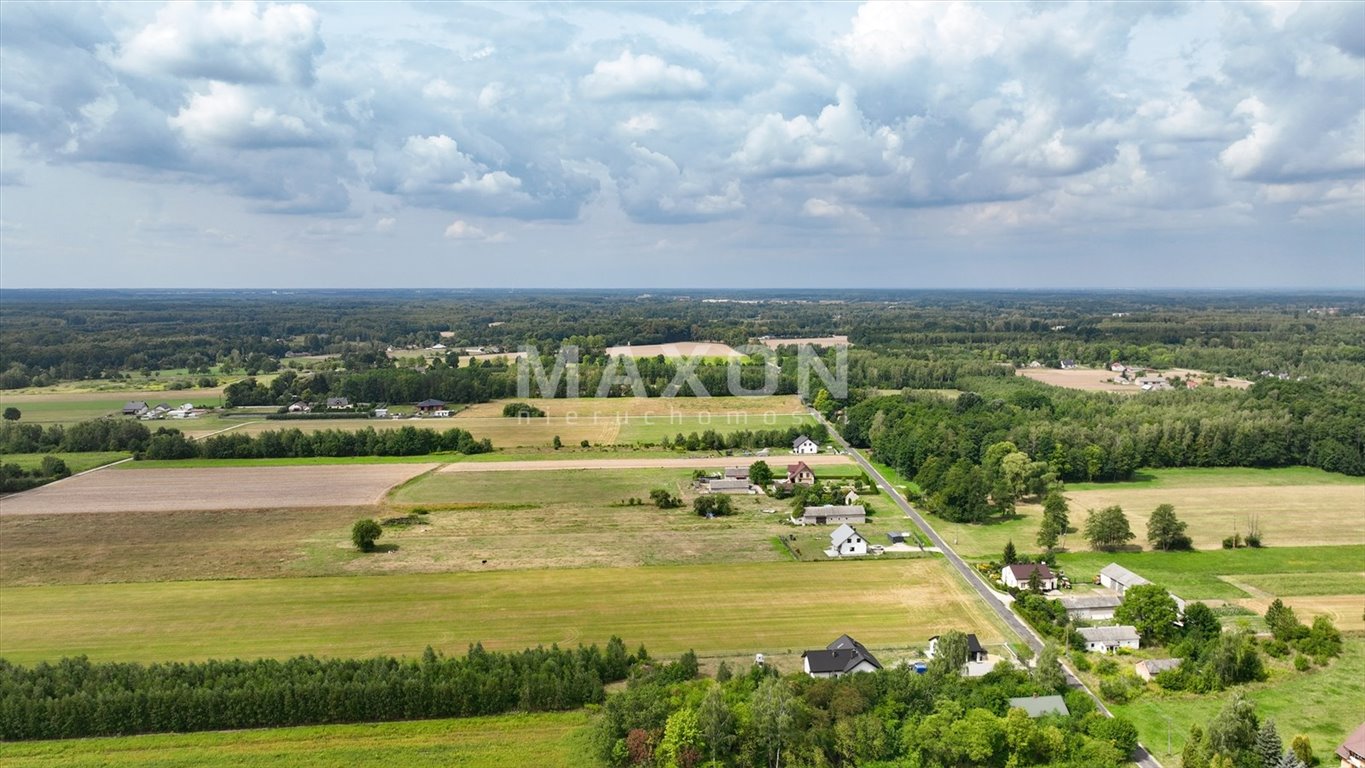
column 1142, row 757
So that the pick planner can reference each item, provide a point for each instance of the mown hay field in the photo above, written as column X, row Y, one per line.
column 556, row 739
column 715, row 609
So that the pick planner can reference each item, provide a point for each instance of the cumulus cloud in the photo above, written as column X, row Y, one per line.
column 642, row 77
column 891, row 35
column 838, row 141
column 463, row 230
column 233, row 116
column 655, row 188
column 239, row 42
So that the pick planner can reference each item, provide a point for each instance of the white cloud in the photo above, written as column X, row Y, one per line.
column 838, row 141
column 893, row 34
column 385, row 225
column 644, row 76
column 238, row 42
column 233, row 116
column 463, row 230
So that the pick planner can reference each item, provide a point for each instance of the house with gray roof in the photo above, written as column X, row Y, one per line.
column 1096, row 606
column 845, row 541
column 1149, row 669
column 1109, row 639
column 830, row 514
column 724, row 485
column 844, row 656
column 1040, row 706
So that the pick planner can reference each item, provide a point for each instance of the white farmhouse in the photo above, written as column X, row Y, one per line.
column 846, row 542
column 1109, row 639
column 805, row 445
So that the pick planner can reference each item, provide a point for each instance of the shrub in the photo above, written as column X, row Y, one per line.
column 664, row 500
column 1301, row 662
column 363, row 534
column 712, row 505
column 1277, row 648
column 522, row 411
column 1081, row 660
column 1106, row 667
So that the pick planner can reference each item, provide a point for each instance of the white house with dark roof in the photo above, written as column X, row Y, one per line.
column 1018, row 575
column 845, row 541
column 844, row 656
column 134, row 407
column 1109, row 639
column 805, row 445
column 976, row 653
column 1352, row 751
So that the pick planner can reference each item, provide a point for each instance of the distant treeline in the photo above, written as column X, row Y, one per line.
column 1097, row 436
column 76, row 698
column 46, row 337
column 294, row 443
column 14, row 478
column 711, row 440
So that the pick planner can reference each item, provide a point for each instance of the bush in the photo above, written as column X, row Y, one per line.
column 1081, row 660
column 1277, row 648
column 712, row 505
column 1106, row 667
column 522, row 411
column 664, row 500
column 363, row 534
column 1301, row 662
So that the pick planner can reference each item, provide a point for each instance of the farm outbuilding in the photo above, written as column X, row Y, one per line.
column 1119, row 579
column 830, row 514
column 1097, row 606
column 1153, row 667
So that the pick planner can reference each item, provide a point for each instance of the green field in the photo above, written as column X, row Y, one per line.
column 302, row 461
column 714, row 609
column 1294, row 506
column 1325, row 704
column 555, row 739
column 70, row 407
column 1195, row 575
column 76, row 462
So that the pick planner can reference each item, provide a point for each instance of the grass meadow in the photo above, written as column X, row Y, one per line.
column 76, row 462
column 1325, row 704
column 715, row 609
column 557, row 740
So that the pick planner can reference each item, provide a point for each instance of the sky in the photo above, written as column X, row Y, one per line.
column 683, row 145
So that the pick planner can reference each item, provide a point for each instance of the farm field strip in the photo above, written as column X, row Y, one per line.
column 213, row 488
column 557, row 739
column 714, row 609
column 76, row 462
column 778, row 464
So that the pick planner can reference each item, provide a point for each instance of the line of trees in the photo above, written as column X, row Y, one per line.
column 295, row 443
column 14, row 478
column 107, row 434
column 77, row 698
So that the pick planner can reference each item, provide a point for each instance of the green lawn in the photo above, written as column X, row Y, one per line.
column 76, row 462
column 1324, row 704
column 1199, row 477
column 715, row 609
column 307, row 461
column 557, row 740
column 1194, row 575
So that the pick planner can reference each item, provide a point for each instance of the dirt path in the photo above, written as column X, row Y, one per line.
column 707, row 462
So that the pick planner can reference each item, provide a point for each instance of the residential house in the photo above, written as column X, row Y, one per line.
column 736, row 473
column 134, row 407
column 800, row 474
column 1147, row 670
column 1040, row 706
column 844, row 656
column 1035, row 364
column 1118, row 367
column 1109, row 639
column 846, row 542
column 298, row 406
column 1119, row 579
column 1153, row 383
column 726, row 485
column 1096, row 606
column 1352, row 751
column 431, row 407
column 805, row 445
column 830, row 514
column 1068, row 364
column 338, row 403
column 1018, row 575
column 975, row 652
column 381, row 413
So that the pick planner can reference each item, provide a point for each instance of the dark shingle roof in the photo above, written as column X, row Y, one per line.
column 1022, row 571
column 841, row 655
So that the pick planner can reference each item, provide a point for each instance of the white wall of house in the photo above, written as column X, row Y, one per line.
column 853, row 545
column 807, row 447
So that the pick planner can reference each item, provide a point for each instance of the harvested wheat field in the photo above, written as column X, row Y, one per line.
column 704, row 462
column 154, row 490
column 814, row 341
column 676, row 349
column 1088, row 379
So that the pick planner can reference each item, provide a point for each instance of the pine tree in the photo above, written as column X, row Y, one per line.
column 1289, row 760
column 1268, row 744
column 1010, row 556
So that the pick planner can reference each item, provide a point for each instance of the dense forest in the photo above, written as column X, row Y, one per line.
column 905, row 337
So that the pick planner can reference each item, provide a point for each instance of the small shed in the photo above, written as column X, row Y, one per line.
column 1147, row 670
column 1119, row 579
column 1041, row 706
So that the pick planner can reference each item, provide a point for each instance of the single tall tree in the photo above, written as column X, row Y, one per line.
column 1047, row 671
column 1151, row 610
column 717, row 723
column 760, row 473
column 363, row 534
column 1107, row 530
column 1165, row 531
column 1010, row 556
column 1268, row 745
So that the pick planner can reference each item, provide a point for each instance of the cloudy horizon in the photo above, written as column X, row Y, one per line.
column 764, row 145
